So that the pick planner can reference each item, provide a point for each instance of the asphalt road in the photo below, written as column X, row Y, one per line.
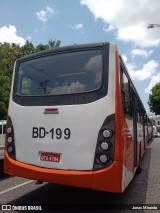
column 144, row 189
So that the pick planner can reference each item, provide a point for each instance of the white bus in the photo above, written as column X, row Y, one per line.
column 75, row 118
column 2, row 138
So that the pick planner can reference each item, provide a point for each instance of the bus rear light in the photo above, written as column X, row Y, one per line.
column 104, row 153
column 105, row 145
column 10, row 142
column 10, row 149
column 103, row 158
column 107, row 133
column 51, row 111
column 9, row 130
column 9, row 139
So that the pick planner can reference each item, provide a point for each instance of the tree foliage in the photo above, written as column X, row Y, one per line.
column 154, row 99
column 8, row 54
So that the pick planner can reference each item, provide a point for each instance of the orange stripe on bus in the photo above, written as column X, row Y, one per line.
column 124, row 140
column 108, row 179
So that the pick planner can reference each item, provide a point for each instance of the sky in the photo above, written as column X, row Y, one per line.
column 123, row 22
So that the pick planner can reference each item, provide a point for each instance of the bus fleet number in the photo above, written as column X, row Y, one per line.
column 57, row 133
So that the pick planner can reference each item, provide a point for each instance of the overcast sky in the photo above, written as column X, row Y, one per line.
column 84, row 21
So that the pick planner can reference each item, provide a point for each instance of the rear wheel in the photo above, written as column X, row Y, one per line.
column 139, row 168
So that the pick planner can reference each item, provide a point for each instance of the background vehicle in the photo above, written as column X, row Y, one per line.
column 158, row 125
column 75, row 118
column 2, row 138
column 150, row 129
column 155, row 132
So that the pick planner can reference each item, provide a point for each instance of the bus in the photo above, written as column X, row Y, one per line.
column 75, row 118
column 150, row 129
column 2, row 138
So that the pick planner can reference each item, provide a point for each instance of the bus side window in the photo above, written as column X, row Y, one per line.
column 126, row 103
column 126, row 93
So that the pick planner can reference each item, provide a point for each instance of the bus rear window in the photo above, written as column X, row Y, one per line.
column 60, row 74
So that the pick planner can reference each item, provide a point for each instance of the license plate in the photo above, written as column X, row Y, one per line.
column 50, row 157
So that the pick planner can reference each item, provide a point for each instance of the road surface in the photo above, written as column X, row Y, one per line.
column 143, row 190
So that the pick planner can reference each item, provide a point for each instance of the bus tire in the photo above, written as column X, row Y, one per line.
column 139, row 168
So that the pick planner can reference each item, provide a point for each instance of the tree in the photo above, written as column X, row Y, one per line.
column 53, row 43
column 27, row 48
column 5, row 82
column 8, row 54
column 42, row 47
column 154, row 99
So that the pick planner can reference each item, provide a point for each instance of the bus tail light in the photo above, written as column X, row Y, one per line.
column 103, row 158
column 104, row 154
column 107, row 133
column 10, row 142
column 105, row 145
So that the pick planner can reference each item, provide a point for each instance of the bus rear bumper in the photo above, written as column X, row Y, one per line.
column 108, row 179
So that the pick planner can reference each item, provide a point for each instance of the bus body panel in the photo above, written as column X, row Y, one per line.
column 124, row 132
column 108, row 179
column 83, row 121
column 128, row 151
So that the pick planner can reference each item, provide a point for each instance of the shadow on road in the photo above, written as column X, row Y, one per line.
column 2, row 174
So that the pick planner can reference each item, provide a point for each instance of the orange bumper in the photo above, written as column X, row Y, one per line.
column 108, row 179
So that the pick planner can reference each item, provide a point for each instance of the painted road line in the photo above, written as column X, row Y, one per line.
column 15, row 187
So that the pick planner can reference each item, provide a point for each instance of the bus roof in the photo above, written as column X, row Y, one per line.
column 65, row 48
